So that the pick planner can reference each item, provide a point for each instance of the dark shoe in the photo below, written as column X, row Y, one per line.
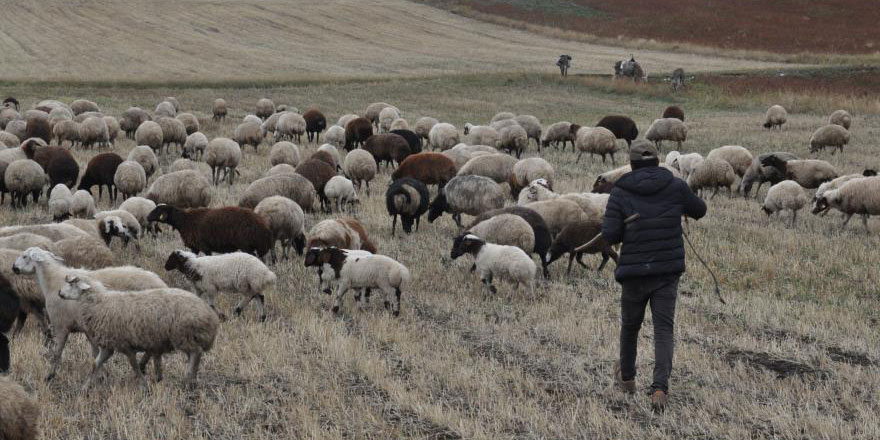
column 627, row 386
column 659, row 400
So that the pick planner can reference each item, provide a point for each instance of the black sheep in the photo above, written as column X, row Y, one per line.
column 576, row 234
column 623, row 127
column 38, row 126
column 220, row 230
column 408, row 198
column 415, row 142
column 58, row 163
column 315, row 124
column 100, row 171
column 9, row 307
column 357, row 131
column 543, row 238
column 674, row 111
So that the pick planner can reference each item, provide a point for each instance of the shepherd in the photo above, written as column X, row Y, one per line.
column 564, row 63
column 651, row 260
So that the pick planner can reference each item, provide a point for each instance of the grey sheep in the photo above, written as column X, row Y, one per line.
column 284, row 152
column 335, row 136
column 470, row 195
column 293, row 186
column 182, row 189
column 841, row 118
column 190, row 122
column 498, row 167
column 532, row 126
column 130, row 178
column 219, row 110
column 194, row 147
column 286, row 221
column 776, row 116
column 223, row 154
column 443, row 136
column 559, row 132
column 131, row 119
column 173, row 132
column 93, row 131
column 667, row 129
column 760, row 173
column 149, row 133
column 423, row 127
column 831, row 135
column 360, row 167
column 164, row 109
column 514, row 139
column 265, row 108
column 596, row 140
column 248, row 133
column 24, row 177
column 712, row 173
column 144, row 155
column 82, row 105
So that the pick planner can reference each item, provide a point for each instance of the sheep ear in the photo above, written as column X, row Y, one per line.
column 56, row 257
column 70, row 279
column 82, row 285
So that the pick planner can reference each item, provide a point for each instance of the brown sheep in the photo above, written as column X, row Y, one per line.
column 623, row 127
column 357, row 131
column 221, row 230
column 315, row 124
column 388, row 148
column 428, row 168
column 674, row 111
column 576, row 234
column 318, row 173
column 57, row 162
column 100, row 171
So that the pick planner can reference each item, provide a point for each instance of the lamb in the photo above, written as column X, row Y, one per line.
column 156, row 321
column 94, row 131
column 808, row 173
column 387, row 147
column 598, row 140
column 59, row 202
column 221, row 230
column 132, row 119
column 357, row 131
column 623, row 127
column 286, row 221
column 506, row 262
column 470, row 195
column 858, row 196
column 841, row 118
column 443, row 136
column 100, row 171
column 775, row 117
column 373, row 110
column 501, row 116
column 293, row 186
column 219, row 110
column 190, row 122
column 149, row 133
column 667, row 129
column 284, row 152
column 423, row 127
column 498, row 167
column 532, row 126
column 785, row 195
column 738, row 157
column 335, row 136
column 234, row 273
column 831, row 135
column 66, row 131
column 318, row 173
column 428, row 168
column 265, row 108
column 290, row 126
column 559, row 213
column 19, row 412
column 340, row 191
column 364, row 272
column 183, row 189
column 540, row 231
column 144, row 155
column 399, row 124
column 130, row 178
column 195, row 145
column 712, row 173
column 248, row 133
column 386, row 116
column 315, row 124
column 559, row 132
column 223, row 154
column 575, row 235
column 481, row 135
column 687, row 163
column 408, row 198
column 140, row 208
column 64, row 316
column 673, row 111
column 82, row 204
column 513, row 139
column 24, row 177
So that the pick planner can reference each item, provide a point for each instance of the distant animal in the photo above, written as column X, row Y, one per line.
column 564, row 63
column 11, row 103
column 630, row 69
column 677, row 79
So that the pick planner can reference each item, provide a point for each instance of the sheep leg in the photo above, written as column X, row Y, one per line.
column 261, row 307
column 193, row 368
column 138, row 375
column 846, row 220
column 714, row 193
column 570, row 260
column 579, row 260
column 579, row 157
column 457, row 218
column 60, row 341
column 393, row 224
column 396, row 311
column 340, row 294
column 102, row 357
column 865, row 221
column 19, row 323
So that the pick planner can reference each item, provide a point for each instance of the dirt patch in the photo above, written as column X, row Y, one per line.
column 782, row 367
column 862, row 82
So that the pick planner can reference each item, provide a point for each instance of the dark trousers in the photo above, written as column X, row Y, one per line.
column 660, row 292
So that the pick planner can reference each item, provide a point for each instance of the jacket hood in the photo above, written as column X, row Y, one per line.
column 646, row 181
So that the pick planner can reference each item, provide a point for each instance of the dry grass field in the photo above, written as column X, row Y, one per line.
column 201, row 40
column 794, row 354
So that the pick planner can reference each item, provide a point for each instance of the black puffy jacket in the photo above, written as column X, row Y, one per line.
column 652, row 244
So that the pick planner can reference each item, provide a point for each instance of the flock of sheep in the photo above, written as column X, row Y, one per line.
column 63, row 274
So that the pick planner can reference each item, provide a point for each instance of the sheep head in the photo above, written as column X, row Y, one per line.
column 466, row 243
column 438, row 206
column 74, row 288
column 28, row 260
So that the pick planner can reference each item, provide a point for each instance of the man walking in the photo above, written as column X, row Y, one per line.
column 644, row 213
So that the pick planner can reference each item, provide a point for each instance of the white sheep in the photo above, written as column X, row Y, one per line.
column 364, row 272
column 423, row 127
column 360, row 166
column 284, row 152
column 514, row 139
column 712, row 173
column 831, row 135
column 333, row 152
column 443, row 136
column 345, row 119
column 145, row 156
column 183, row 189
column 687, row 163
column 52, row 231
column 290, row 126
column 82, row 204
column 775, row 117
column 667, row 129
column 286, row 221
column 785, row 195
column 398, row 124
column 59, row 202
column 24, row 177
column 595, row 140
column 132, row 226
column 335, row 136
column 130, row 178
column 507, row 262
column 738, row 157
column 481, row 135
column 223, row 155
column 24, row 240
column 195, row 145
column 140, row 208
column 501, row 116
column 858, row 196
column 841, row 118
column 386, row 116
column 341, row 191
column 532, row 127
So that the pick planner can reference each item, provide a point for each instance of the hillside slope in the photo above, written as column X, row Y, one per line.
column 251, row 39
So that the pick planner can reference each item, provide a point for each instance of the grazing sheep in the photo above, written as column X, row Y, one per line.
column 597, row 140
column 59, row 202
column 428, row 168
column 831, row 135
column 24, row 177
column 386, row 116
column 501, row 116
column 87, row 225
column 183, row 189
column 687, row 163
column 130, row 178
column 345, row 119
column 290, row 126
column 514, row 139
column 189, row 121
column 183, row 164
column 388, row 148
column 293, row 186
column 11, row 102
column 575, row 235
column 399, row 124
column 738, row 157
column 470, row 195
column 112, row 128
column 19, row 412
column 344, row 232
column 24, row 240
column 858, row 196
column 174, row 103
column 31, row 301
column 667, row 129
column 265, row 108
column 775, row 117
column 56, row 161
column 443, row 136
column 269, row 126
column 461, row 153
column 835, row 184
column 532, row 127
column 140, row 208
column 808, row 173
column 7, row 115
column 559, row 132
column 623, row 127
column 315, row 124
column 17, row 128
column 248, row 133
column 481, row 135
column 712, row 173
column 670, row 158
column 155, row 321
column 540, row 231
column 528, row 170
column 218, row 109
column 149, row 133
column 144, row 155
column 507, row 262
column 335, row 136
column 223, row 154
column 363, row 272
column 423, row 127
column 131, row 119
column 286, row 221
column 785, row 195
column 319, row 173
column 498, row 125
column 236, row 272
column 506, row 229
column 82, row 106
column 118, row 223
column 841, row 118
column 194, row 147
column 173, row 132
column 357, row 131
column 100, row 171
column 94, row 131
column 82, row 204
column 373, row 110
column 560, row 212
column 360, row 167
column 66, row 130
column 760, row 173
column 284, row 152
column 220, row 230
column 37, row 125
column 415, row 143
column 673, row 111
column 408, row 198
column 539, row 190
column 498, row 167
column 84, row 251
column 281, row 168
column 340, row 191
column 253, row 119
column 10, row 140
column 164, row 109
